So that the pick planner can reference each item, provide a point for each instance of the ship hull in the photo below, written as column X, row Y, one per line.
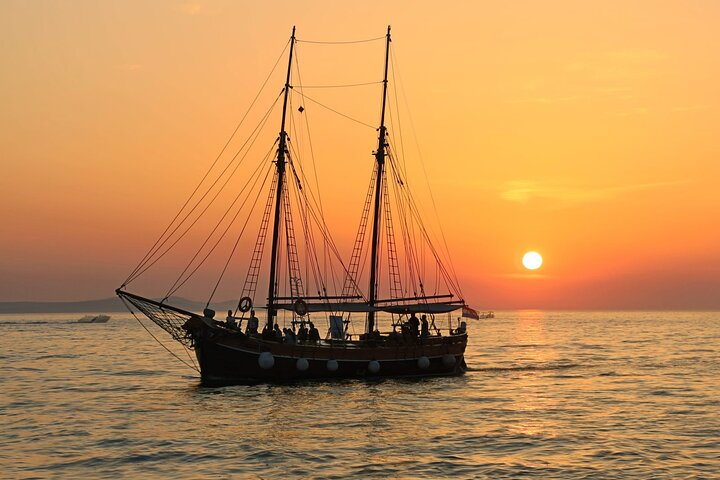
column 234, row 358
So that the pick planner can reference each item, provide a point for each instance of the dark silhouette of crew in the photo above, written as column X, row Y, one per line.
column 313, row 334
column 414, row 325
column 425, row 328
column 277, row 333
column 266, row 333
column 290, row 337
column 302, row 334
column 406, row 333
column 252, row 325
column 230, row 321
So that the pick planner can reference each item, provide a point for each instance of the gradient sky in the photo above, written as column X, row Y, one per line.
column 587, row 131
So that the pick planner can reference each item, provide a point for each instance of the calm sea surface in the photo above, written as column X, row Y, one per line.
column 549, row 395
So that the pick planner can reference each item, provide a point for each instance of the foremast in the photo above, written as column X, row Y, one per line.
column 280, row 165
column 377, row 211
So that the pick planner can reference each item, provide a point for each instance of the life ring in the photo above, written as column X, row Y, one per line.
column 245, row 304
column 300, row 307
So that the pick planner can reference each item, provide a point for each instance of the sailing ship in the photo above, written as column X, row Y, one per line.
column 227, row 353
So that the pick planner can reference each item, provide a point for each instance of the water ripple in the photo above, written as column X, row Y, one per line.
column 548, row 395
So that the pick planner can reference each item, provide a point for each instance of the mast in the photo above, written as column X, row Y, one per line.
column 282, row 148
column 380, row 159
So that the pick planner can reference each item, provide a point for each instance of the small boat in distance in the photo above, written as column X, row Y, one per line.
column 417, row 287
column 94, row 319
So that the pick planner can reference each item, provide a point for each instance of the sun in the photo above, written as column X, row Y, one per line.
column 532, row 260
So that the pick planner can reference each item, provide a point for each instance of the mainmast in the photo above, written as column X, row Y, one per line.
column 282, row 150
column 380, row 159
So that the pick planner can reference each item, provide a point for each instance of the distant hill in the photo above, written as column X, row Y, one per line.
column 105, row 305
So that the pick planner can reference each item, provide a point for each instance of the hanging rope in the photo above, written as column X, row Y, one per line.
column 347, row 42
column 178, row 283
column 341, row 85
column 335, row 111
column 310, row 246
column 237, row 241
column 153, row 250
column 326, row 255
column 193, row 366
column 311, row 204
column 453, row 272
column 397, row 110
column 253, row 136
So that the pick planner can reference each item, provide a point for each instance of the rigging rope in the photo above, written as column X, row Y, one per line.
column 396, row 63
column 256, row 132
column 152, row 250
column 342, row 85
column 408, row 229
column 347, row 42
column 335, row 111
column 397, row 111
column 177, row 285
column 232, row 253
column 193, row 366
column 323, row 228
column 310, row 247
column 326, row 253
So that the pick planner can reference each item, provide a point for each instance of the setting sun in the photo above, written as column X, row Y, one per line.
column 532, row 260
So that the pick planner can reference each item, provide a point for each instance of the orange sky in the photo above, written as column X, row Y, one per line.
column 584, row 130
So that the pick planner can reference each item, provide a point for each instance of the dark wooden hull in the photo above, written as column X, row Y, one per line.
column 228, row 357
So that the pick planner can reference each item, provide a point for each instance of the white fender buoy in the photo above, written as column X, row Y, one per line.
column 374, row 366
column 448, row 360
column 302, row 364
column 423, row 362
column 266, row 360
column 332, row 365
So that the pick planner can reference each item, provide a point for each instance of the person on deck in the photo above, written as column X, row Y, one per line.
column 406, row 333
column 252, row 325
column 302, row 335
column 230, row 320
column 313, row 334
column 277, row 334
column 290, row 337
column 425, row 328
column 414, row 325
column 461, row 329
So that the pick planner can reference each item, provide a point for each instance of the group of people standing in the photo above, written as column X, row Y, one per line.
column 252, row 323
column 307, row 333
column 411, row 330
column 418, row 328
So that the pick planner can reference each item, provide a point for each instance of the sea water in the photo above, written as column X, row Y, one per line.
column 567, row 395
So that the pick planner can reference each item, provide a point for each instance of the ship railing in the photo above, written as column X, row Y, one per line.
column 383, row 339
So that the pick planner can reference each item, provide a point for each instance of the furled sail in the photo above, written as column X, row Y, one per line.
column 364, row 307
